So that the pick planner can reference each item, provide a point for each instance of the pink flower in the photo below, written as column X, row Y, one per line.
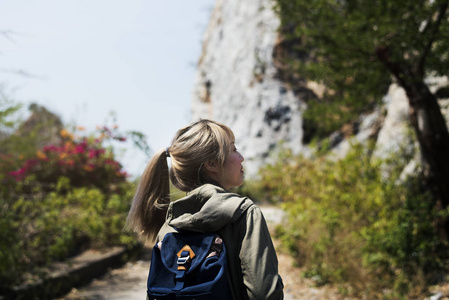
column 111, row 162
column 51, row 148
column 19, row 174
column 79, row 149
column 92, row 153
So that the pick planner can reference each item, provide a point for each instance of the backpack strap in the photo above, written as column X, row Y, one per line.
column 185, row 256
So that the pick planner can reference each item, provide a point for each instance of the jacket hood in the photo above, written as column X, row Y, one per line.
column 207, row 209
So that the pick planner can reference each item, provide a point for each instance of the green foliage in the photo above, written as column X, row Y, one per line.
column 8, row 109
column 351, row 223
column 52, row 226
column 58, row 196
column 351, row 48
column 11, row 244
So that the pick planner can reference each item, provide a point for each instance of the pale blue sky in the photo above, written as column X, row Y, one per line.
column 87, row 58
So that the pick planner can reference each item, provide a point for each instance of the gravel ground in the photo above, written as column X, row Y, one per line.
column 129, row 282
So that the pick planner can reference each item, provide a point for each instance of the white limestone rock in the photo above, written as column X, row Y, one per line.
column 395, row 135
column 236, row 83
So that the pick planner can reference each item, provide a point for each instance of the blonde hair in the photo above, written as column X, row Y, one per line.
column 191, row 147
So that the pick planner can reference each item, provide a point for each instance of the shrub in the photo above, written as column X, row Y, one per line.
column 85, row 162
column 65, row 198
column 351, row 223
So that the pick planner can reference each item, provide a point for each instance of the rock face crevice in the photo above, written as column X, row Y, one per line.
column 236, row 81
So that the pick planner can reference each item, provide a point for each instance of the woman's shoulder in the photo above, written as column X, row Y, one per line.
column 163, row 231
column 210, row 192
column 208, row 208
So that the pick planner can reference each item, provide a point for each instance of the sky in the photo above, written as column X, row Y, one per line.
column 84, row 60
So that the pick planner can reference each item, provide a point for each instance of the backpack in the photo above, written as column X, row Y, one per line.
column 188, row 265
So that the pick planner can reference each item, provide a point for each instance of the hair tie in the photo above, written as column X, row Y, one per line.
column 167, row 153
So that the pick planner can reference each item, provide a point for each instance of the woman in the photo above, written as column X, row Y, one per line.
column 206, row 164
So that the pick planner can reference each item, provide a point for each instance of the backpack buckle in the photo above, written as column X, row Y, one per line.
column 184, row 256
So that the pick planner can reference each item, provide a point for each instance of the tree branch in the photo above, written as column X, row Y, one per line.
column 441, row 14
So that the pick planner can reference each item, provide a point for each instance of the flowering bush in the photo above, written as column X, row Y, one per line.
column 84, row 161
column 64, row 197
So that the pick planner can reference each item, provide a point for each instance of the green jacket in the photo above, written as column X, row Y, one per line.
column 252, row 260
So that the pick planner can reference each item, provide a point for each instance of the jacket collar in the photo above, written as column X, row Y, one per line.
column 206, row 209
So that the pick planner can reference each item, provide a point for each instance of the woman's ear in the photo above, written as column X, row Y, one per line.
column 212, row 166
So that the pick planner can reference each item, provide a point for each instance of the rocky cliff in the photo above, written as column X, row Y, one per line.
column 236, row 81
column 237, row 84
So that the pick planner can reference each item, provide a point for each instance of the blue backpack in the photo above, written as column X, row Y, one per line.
column 188, row 265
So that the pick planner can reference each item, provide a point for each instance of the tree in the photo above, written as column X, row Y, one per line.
column 356, row 47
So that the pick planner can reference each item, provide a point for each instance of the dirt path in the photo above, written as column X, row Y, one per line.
column 295, row 285
column 129, row 282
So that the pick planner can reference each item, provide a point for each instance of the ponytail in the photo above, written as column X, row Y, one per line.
column 191, row 147
column 151, row 200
